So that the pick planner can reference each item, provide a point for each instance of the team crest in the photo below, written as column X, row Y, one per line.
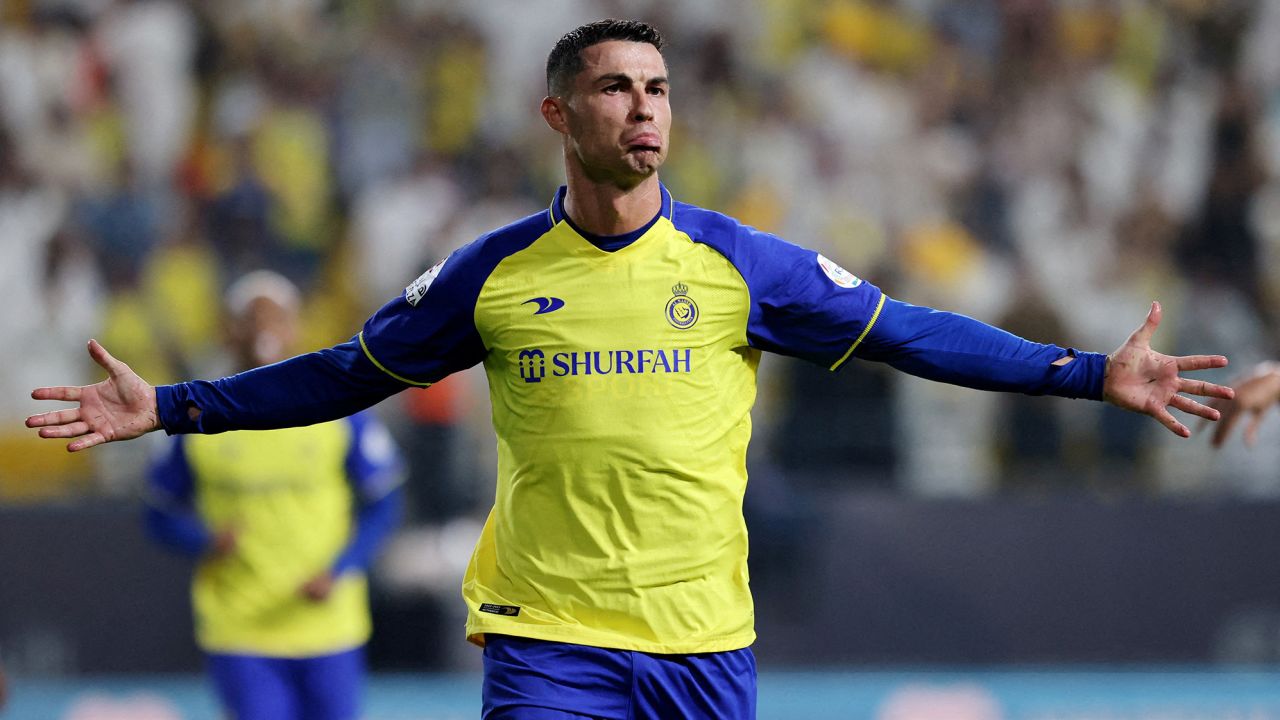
column 837, row 274
column 682, row 311
column 418, row 288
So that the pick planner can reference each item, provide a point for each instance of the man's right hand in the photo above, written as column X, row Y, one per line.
column 122, row 407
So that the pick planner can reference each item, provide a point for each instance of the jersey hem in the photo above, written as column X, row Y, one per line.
column 215, row 648
column 738, row 641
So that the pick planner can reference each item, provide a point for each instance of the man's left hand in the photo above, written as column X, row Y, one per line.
column 1145, row 381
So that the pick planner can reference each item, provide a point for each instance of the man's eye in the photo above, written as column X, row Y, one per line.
column 612, row 89
column 657, row 91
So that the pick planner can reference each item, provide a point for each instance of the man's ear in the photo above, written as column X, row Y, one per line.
column 553, row 112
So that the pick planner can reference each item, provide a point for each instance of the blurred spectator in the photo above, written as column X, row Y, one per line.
column 290, row 147
column 379, row 108
column 50, row 297
column 123, row 227
column 48, row 285
column 239, row 217
column 149, row 46
column 398, row 224
column 1221, row 246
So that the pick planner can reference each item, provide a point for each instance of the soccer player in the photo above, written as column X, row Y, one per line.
column 620, row 331
column 283, row 524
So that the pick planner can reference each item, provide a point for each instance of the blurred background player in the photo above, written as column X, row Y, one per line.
column 284, row 525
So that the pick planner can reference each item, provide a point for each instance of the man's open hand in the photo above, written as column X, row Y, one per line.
column 121, row 407
column 1145, row 381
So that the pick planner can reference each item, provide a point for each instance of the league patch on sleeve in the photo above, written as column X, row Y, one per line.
column 837, row 274
column 418, row 288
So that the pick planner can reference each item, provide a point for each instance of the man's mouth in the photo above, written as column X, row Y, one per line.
column 644, row 143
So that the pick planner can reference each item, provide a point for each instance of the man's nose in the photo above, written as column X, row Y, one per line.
column 641, row 106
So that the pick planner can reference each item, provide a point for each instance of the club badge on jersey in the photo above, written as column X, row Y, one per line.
column 682, row 311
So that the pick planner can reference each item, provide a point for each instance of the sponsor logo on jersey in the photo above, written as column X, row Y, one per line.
column 682, row 311
column 508, row 610
column 545, row 304
column 532, row 363
column 837, row 274
column 418, row 288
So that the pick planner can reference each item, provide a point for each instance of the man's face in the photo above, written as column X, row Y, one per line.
column 617, row 114
column 264, row 333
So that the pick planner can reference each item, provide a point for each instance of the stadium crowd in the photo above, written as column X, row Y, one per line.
column 1034, row 163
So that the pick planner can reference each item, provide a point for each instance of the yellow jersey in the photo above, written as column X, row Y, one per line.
column 621, row 375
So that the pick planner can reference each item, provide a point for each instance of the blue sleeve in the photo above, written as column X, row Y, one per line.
column 802, row 304
column 374, row 464
column 304, row 390
column 376, row 472
column 170, row 516
column 429, row 332
column 374, row 522
column 959, row 350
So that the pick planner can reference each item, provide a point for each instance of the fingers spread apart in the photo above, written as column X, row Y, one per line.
column 1200, row 362
column 86, row 442
column 1187, row 405
column 100, row 355
column 75, row 429
column 63, row 392
column 1171, row 422
column 56, row 417
column 1142, row 335
column 1205, row 389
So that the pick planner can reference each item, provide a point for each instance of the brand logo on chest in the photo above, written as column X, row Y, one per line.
column 532, row 363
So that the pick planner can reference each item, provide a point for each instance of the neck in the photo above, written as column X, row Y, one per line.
column 603, row 208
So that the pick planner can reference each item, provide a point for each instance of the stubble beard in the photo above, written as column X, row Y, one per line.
column 629, row 172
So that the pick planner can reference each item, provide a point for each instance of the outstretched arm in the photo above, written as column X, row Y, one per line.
column 316, row 387
column 1256, row 392
column 962, row 351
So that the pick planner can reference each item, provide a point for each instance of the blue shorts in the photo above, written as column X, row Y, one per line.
column 326, row 687
column 537, row 680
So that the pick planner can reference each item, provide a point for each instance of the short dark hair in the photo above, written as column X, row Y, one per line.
column 565, row 60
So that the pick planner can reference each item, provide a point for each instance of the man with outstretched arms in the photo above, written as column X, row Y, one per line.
column 620, row 331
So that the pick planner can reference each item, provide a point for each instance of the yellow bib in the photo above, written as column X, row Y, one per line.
column 286, row 494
